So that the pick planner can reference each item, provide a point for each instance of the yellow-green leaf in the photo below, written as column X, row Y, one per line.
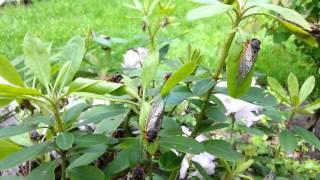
column 9, row 73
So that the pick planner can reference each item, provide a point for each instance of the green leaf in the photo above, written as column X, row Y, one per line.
column 85, row 173
column 216, row 113
column 61, row 77
column 144, row 112
column 288, row 141
column 170, row 127
column 16, row 130
column 215, row 8
column 243, row 166
column 201, row 171
column 204, row 1
column 73, row 113
column 93, row 86
column 149, row 68
column 293, row 87
column 306, row 88
column 169, row 161
column 90, row 140
column 277, row 88
column 73, row 53
column 312, row 106
column 99, row 113
column 88, row 157
column 288, row 14
column 44, row 171
column 203, row 86
column 121, row 162
column 221, row 149
column 9, row 73
column 177, row 95
column 7, row 147
column 110, row 125
column 19, row 157
column 236, row 89
column 37, row 55
column 7, row 90
column 307, row 136
column 182, row 144
column 65, row 140
column 183, row 72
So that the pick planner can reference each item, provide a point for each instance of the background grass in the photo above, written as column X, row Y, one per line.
column 59, row 20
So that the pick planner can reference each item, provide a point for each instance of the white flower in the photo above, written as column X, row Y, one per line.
column 205, row 159
column 242, row 110
column 134, row 58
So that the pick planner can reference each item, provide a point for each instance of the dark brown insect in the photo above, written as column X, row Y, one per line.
column 26, row 105
column 138, row 173
column 247, row 59
column 116, row 78
column 154, row 121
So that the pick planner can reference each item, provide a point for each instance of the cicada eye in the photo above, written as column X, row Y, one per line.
column 255, row 44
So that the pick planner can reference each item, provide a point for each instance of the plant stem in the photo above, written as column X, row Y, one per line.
column 150, row 166
column 232, row 129
column 63, row 164
column 222, row 61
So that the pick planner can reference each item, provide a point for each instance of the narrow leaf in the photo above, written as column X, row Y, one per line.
column 277, row 88
column 214, row 9
column 183, row 72
column 306, row 88
column 293, row 86
column 307, row 136
column 37, row 56
column 93, row 86
column 19, row 157
column 9, row 73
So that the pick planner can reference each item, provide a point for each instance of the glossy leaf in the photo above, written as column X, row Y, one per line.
column 93, row 86
column 19, row 157
column 73, row 53
column 169, row 161
column 90, row 140
column 99, row 113
column 8, row 147
column 65, row 140
column 213, row 9
column 110, row 125
column 277, row 88
column 9, row 73
column 312, row 106
column 144, row 112
column 183, row 72
column 182, row 144
column 149, row 68
column 288, row 141
column 203, row 86
column 85, row 173
column 221, row 149
column 293, row 87
column 88, row 157
column 307, row 136
column 17, row 129
column 7, row 90
column 44, row 171
column 37, row 55
column 306, row 88
column 287, row 14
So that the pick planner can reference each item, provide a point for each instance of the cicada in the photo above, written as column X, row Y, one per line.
column 154, row 121
column 247, row 59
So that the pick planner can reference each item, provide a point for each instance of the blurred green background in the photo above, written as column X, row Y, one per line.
column 59, row 20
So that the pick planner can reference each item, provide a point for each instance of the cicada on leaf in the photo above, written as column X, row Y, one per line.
column 247, row 59
column 154, row 121
column 241, row 59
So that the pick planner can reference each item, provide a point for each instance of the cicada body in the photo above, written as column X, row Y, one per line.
column 154, row 121
column 247, row 59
